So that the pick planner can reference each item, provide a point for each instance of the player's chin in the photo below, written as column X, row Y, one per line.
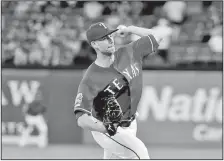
column 111, row 49
column 107, row 53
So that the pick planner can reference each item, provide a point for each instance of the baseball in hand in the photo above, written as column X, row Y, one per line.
column 122, row 31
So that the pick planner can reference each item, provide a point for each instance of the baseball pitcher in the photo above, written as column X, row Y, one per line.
column 109, row 93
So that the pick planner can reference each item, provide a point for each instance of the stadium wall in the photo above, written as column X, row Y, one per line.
column 176, row 108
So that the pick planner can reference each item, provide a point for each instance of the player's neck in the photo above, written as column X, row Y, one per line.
column 104, row 61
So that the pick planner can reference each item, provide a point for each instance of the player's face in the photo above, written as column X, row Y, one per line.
column 106, row 45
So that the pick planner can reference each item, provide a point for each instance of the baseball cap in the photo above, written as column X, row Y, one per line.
column 97, row 31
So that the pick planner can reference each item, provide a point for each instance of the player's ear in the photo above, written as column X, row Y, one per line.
column 94, row 44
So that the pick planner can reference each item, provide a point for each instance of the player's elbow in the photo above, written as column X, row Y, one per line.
column 158, row 38
column 81, row 120
column 80, row 124
column 157, row 35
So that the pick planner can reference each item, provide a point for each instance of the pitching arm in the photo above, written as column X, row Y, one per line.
column 147, row 44
column 140, row 31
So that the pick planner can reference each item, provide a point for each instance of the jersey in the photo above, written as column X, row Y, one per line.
column 122, row 80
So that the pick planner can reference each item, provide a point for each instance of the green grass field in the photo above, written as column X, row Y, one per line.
column 95, row 152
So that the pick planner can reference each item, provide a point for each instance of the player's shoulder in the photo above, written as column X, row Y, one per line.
column 124, row 49
column 87, row 74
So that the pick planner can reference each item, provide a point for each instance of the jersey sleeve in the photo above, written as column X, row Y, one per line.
column 145, row 45
column 83, row 101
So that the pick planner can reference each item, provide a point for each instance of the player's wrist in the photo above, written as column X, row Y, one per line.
column 101, row 127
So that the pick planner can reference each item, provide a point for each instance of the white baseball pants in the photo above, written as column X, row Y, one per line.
column 123, row 145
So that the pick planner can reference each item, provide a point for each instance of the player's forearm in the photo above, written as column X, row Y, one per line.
column 86, row 122
column 140, row 31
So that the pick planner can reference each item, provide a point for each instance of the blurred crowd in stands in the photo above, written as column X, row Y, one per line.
column 52, row 33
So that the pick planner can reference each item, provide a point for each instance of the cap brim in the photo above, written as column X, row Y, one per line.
column 109, row 32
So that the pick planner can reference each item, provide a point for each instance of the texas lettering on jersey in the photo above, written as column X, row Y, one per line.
column 132, row 71
column 118, row 92
column 122, row 80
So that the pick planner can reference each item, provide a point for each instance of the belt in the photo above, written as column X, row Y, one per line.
column 127, row 123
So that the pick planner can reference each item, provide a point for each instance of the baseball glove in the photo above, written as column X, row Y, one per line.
column 112, row 115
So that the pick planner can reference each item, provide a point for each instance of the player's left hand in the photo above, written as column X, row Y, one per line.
column 122, row 31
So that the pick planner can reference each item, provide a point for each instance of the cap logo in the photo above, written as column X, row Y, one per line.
column 101, row 24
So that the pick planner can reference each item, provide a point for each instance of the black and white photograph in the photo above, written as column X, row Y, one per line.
column 111, row 80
